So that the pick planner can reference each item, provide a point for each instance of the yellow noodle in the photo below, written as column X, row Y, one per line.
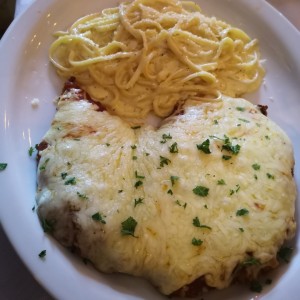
column 151, row 55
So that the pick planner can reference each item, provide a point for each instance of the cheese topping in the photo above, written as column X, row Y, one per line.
column 210, row 190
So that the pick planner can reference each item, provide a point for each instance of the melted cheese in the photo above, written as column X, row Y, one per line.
column 106, row 157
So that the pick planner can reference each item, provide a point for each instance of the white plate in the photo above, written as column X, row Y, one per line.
column 25, row 74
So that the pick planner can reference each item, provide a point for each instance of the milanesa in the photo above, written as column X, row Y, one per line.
column 209, row 194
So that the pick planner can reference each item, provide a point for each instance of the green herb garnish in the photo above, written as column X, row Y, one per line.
column 174, row 179
column 70, row 181
column 240, row 108
column 128, row 226
column 98, row 217
column 42, row 254
column 170, row 192
column 204, row 147
column 138, row 183
column 196, row 223
column 138, row 201
column 165, row 137
column 270, row 176
column 63, row 175
column 43, row 166
column 196, row 242
column 242, row 212
column 201, row 191
column 82, row 196
column 234, row 149
column 285, row 254
column 31, row 150
column 138, row 176
column 226, row 157
column 221, row 182
column 244, row 120
column 252, row 261
column 47, row 225
column 164, row 161
column 173, row 148
column 256, row 167
column 3, row 166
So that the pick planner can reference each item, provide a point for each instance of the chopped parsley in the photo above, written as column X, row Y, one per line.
column 240, row 108
column 31, row 150
column 3, row 166
column 48, row 226
column 242, row 212
column 173, row 148
column 244, row 120
column 234, row 149
column 43, row 166
column 252, row 261
column 221, row 182
column 82, row 196
column 231, row 192
column 133, row 146
column 201, row 191
column 285, row 253
column 70, row 181
column 138, row 201
column 255, row 177
column 256, row 286
column 138, row 183
column 128, row 226
column 134, row 157
column 164, row 161
column 42, row 254
column 107, row 144
column 63, row 175
column 226, row 157
column 98, row 217
column 165, row 137
column 170, row 192
column 138, row 176
column 180, row 204
column 216, row 122
column 197, row 242
column 270, row 176
column 120, row 191
column 204, row 147
column 196, row 223
column 136, row 127
column 174, row 179
column 241, row 229
column 256, row 167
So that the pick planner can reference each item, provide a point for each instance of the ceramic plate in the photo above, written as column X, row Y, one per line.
column 26, row 74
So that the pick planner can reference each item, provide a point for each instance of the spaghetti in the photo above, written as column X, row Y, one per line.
column 147, row 56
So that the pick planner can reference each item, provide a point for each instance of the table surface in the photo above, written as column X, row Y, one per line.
column 16, row 282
